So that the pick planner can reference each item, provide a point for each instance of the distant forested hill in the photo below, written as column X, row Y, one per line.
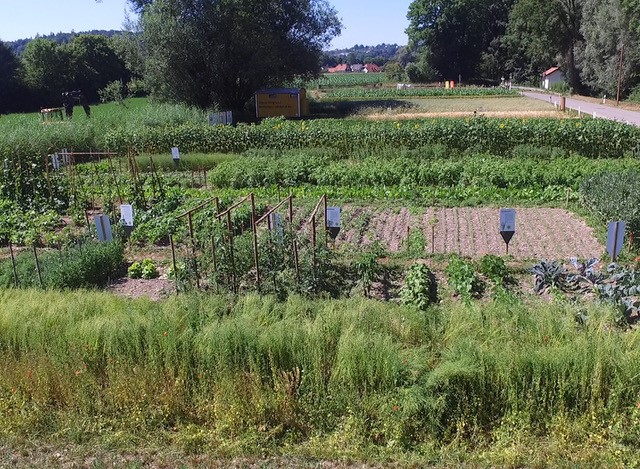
column 379, row 54
column 17, row 47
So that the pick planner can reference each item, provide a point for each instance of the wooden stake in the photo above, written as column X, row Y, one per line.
column 13, row 263
column 254, row 229
column 294, row 242
column 35, row 255
column 173, row 259
column 193, row 249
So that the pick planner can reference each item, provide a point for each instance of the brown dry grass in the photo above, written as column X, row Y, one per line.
column 497, row 114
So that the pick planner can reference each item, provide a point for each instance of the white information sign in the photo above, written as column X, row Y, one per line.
column 175, row 153
column 333, row 217
column 55, row 161
column 615, row 238
column 126, row 214
column 103, row 226
column 507, row 219
column 276, row 226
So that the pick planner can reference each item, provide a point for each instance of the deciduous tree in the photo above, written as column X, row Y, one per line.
column 219, row 52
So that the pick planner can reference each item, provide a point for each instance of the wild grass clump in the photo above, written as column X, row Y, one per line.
column 326, row 376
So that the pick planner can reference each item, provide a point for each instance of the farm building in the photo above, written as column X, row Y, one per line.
column 357, row 67
column 339, row 69
column 287, row 102
column 372, row 68
column 552, row 76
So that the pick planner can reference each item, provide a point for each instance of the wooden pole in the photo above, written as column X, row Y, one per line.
column 231, row 259
column 294, row 243
column 313, row 239
column 13, row 263
column 173, row 259
column 193, row 249
column 620, row 74
column 35, row 255
column 254, row 230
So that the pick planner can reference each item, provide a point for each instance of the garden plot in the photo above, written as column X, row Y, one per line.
column 540, row 232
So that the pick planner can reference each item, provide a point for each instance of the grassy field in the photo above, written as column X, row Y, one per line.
column 482, row 385
column 488, row 374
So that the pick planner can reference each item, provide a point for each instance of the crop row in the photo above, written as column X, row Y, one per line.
column 588, row 137
column 409, row 169
column 372, row 93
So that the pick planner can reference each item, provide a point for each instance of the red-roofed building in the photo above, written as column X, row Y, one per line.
column 339, row 68
column 552, row 76
column 372, row 68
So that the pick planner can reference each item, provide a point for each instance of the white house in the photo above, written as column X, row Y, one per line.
column 551, row 76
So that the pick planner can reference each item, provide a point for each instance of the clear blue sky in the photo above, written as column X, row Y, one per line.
column 367, row 22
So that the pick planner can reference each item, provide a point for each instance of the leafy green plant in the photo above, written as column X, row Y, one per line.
column 367, row 267
column 145, row 269
column 549, row 274
column 420, row 288
column 463, row 278
column 495, row 269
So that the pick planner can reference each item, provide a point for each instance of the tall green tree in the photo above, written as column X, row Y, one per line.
column 219, row 52
column 608, row 38
column 93, row 64
column 529, row 44
column 46, row 70
column 453, row 35
column 10, row 82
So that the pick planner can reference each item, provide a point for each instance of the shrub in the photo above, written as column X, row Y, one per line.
column 90, row 264
column 463, row 278
column 614, row 196
column 420, row 289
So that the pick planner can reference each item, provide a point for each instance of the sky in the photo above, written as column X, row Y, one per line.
column 366, row 22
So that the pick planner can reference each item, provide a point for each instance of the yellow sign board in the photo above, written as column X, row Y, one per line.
column 281, row 102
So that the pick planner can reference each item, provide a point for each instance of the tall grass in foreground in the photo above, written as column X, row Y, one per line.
column 324, row 375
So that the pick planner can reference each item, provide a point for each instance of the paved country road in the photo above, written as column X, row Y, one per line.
column 601, row 110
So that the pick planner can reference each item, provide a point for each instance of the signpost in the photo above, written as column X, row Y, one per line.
column 615, row 238
column 103, row 226
column 175, row 153
column 333, row 221
column 275, row 225
column 126, row 218
column 507, row 225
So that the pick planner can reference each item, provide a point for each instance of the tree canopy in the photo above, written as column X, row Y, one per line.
column 219, row 52
column 9, row 78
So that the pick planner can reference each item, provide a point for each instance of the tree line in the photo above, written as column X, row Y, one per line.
column 595, row 42
column 217, row 53
column 46, row 69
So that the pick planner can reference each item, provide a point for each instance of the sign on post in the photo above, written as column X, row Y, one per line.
column 333, row 221
column 507, row 225
column 221, row 118
column 615, row 238
column 276, row 227
column 126, row 218
column 103, row 227
column 126, row 214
